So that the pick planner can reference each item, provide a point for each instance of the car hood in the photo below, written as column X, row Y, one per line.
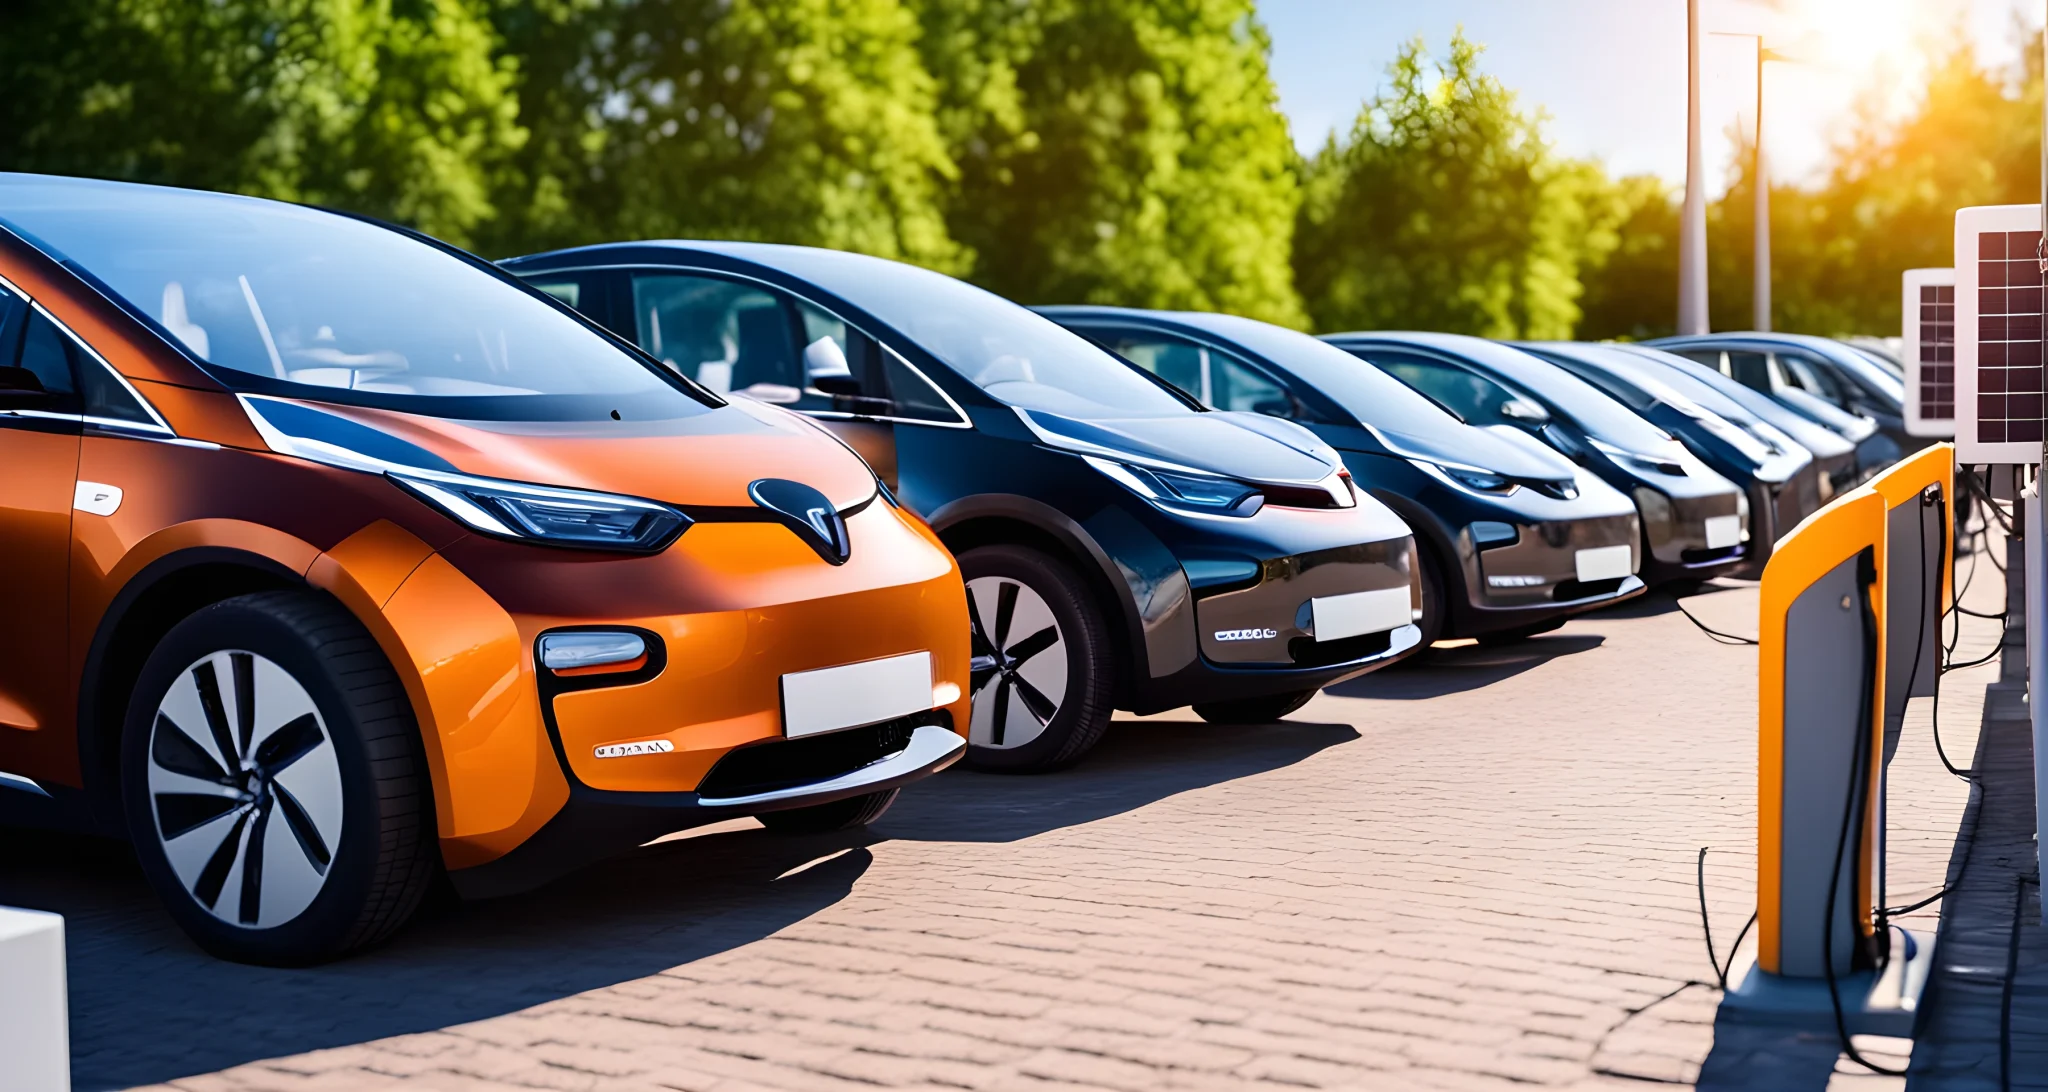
column 1246, row 446
column 1516, row 457
column 707, row 459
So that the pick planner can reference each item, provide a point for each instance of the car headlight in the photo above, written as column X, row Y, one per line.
column 555, row 517
column 1469, row 477
column 1638, row 460
column 1174, row 489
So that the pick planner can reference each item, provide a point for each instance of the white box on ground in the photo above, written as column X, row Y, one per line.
column 851, row 695
column 1723, row 531
column 1605, row 562
column 35, row 1045
column 1339, row 616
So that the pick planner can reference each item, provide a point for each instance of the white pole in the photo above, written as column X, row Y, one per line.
column 1762, row 298
column 1692, row 219
column 35, row 1050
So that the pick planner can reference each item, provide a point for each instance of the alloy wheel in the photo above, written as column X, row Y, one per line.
column 246, row 789
column 1019, row 663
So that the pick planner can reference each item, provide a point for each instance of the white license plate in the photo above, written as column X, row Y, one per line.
column 1340, row 616
column 1723, row 531
column 851, row 695
column 1605, row 562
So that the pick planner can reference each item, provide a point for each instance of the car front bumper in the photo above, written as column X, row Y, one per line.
column 596, row 823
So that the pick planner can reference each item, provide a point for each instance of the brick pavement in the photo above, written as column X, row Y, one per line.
column 1468, row 875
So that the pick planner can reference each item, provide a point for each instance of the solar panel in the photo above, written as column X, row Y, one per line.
column 1928, row 349
column 1998, row 333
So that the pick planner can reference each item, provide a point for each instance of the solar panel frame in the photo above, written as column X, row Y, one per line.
column 1998, row 329
column 1927, row 349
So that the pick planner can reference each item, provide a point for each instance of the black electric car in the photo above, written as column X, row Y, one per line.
column 1780, row 478
column 1695, row 522
column 1820, row 377
column 1515, row 538
column 1122, row 546
column 1838, row 454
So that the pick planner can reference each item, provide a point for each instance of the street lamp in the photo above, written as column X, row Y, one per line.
column 1761, row 294
column 1692, row 219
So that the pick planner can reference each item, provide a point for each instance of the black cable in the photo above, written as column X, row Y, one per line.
column 1865, row 574
column 1706, row 924
column 1721, row 968
column 1999, row 617
column 2012, row 971
column 1717, row 635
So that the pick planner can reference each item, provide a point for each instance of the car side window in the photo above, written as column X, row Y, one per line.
column 883, row 383
column 1218, row 378
column 1469, row 396
column 730, row 337
column 46, row 358
column 1812, row 378
column 1752, row 370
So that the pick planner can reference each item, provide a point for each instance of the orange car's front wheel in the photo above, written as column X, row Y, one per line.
column 275, row 789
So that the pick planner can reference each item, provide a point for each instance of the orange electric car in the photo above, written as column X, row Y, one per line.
column 336, row 557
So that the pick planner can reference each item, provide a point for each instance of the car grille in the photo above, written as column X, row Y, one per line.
column 1309, row 652
column 786, row 763
column 1568, row 590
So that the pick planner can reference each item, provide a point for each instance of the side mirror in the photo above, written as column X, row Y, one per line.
column 825, row 368
column 1517, row 409
column 21, row 387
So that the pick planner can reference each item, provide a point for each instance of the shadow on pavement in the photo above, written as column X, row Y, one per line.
column 1464, row 667
column 1136, row 763
column 148, row 1007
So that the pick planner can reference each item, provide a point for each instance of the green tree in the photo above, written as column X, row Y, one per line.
column 1445, row 209
column 1117, row 151
column 401, row 110
column 800, row 121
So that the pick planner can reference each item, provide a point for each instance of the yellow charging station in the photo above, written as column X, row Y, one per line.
column 1848, row 631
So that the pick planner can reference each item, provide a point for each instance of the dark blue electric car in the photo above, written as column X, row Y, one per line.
column 1695, row 522
column 1782, row 480
column 1122, row 546
column 1515, row 538
column 1820, row 377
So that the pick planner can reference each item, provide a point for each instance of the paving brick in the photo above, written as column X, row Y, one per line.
column 1471, row 874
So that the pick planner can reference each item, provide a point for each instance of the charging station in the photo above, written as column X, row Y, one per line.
column 1833, row 681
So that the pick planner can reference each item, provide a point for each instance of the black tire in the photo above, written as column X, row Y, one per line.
column 1435, row 600
column 1025, row 668
column 344, row 778
column 1264, row 710
column 847, row 814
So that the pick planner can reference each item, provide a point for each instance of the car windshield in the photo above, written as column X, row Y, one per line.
column 1868, row 372
column 280, row 299
column 1598, row 413
column 1019, row 357
column 1366, row 392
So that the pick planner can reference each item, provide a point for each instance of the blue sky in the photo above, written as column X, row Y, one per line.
column 1611, row 73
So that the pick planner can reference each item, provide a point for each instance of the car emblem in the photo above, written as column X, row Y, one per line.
column 1246, row 634
column 807, row 512
column 641, row 747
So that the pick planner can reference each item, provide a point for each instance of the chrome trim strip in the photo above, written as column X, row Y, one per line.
column 21, row 784
column 930, row 747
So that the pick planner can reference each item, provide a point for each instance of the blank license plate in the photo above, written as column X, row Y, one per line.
column 851, row 695
column 1341, row 616
column 1723, row 532
column 1605, row 563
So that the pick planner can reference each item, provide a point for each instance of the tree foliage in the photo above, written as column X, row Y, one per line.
column 801, row 121
column 1117, row 151
column 1445, row 209
column 400, row 110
